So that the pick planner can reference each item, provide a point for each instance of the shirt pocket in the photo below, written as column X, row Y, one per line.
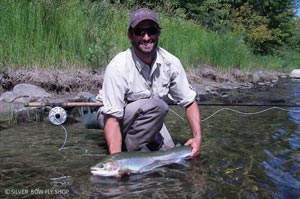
column 162, row 89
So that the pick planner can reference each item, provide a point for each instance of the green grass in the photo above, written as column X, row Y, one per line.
column 54, row 33
column 59, row 33
column 195, row 46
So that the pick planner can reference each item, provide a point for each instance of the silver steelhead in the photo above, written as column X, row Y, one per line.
column 137, row 162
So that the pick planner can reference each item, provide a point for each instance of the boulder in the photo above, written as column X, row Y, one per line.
column 295, row 74
column 23, row 93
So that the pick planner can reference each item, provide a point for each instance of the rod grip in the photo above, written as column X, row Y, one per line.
column 73, row 104
column 35, row 104
column 64, row 104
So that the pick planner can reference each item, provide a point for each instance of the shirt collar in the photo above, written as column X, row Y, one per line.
column 140, row 64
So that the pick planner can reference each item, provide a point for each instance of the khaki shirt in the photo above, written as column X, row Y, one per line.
column 128, row 79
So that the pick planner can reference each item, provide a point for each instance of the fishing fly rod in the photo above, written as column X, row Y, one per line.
column 58, row 114
column 63, row 104
column 246, row 104
column 89, row 104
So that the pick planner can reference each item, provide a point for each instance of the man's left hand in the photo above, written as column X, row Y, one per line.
column 195, row 144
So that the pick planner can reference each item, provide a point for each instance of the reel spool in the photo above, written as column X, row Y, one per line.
column 57, row 115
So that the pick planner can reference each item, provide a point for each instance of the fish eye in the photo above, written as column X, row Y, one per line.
column 101, row 166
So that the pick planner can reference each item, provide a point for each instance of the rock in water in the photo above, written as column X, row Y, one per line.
column 24, row 91
column 295, row 74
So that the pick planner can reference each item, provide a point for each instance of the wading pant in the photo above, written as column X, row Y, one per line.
column 142, row 126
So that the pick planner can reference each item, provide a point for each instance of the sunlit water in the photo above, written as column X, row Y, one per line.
column 243, row 156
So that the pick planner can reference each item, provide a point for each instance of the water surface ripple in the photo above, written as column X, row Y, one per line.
column 243, row 156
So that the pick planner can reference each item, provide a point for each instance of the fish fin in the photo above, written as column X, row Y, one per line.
column 155, row 164
column 181, row 161
column 125, row 172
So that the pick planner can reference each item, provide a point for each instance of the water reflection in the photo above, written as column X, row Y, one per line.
column 283, row 164
column 175, row 180
column 242, row 157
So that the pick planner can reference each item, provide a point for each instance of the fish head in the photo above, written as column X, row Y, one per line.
column 106, row 169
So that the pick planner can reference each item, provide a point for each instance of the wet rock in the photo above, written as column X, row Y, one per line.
column 261, row 78
column 12, row 104
column 258, row 77
column 295, row 74
column 246, row 86
column 228, row 87
column 23, row 93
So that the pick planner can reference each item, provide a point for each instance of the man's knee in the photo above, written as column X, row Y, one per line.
column 161, row 105
column 147, row 105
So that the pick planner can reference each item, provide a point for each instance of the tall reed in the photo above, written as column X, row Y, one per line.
column 72, row 33
column 195, row 45
column 59, row 33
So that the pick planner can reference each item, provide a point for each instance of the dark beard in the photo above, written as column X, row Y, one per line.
column 136, row 46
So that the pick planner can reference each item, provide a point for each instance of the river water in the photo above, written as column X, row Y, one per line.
column 243, row 156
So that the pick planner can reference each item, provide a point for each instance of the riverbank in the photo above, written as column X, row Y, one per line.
column 61, row 85
column 64, row 81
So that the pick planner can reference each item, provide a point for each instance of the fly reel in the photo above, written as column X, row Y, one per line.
column 57, row 115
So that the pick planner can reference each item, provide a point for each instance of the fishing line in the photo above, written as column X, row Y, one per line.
column 66, row 137
column 58, row 116
column 174, row 112
column 248, row 113
column 238, row 112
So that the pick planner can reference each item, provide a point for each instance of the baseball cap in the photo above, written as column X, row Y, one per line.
column 142, row 14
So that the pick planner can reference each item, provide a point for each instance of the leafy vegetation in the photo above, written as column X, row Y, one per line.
column 226, row 34
column 265, row 25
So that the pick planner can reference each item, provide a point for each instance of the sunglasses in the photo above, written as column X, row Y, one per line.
column 142, row 31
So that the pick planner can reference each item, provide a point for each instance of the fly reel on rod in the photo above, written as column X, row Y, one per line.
column 57, row 115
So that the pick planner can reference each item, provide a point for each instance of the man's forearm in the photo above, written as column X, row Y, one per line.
column 194, row 119
column 193, row 116
column 113, row 135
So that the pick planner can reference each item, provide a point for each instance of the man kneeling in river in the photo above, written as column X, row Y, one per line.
column 136, row 84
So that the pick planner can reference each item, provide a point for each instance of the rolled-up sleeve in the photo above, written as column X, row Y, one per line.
column 113, row 89
column 180, row 89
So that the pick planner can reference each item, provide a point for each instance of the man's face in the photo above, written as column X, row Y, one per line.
column 144, row 37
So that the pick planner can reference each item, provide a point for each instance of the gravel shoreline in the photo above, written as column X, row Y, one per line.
column 64, row 81
column 70, row 84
